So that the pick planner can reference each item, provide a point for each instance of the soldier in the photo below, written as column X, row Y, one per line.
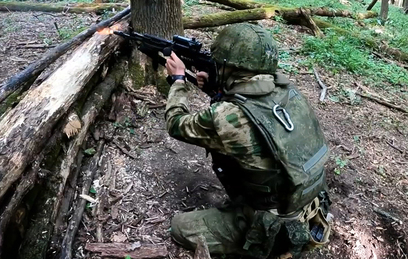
column 267, row 148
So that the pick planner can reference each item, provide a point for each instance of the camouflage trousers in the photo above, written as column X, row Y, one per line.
column 241, row 231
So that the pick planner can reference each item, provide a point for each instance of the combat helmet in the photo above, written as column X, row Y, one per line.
column 246, row 46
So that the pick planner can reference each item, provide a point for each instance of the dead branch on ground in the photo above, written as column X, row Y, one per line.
column 319, row 11
column 66, row 246
column 383, row 102
column 121, row 250
column 321, row 84
column 71, row 164
column 387, row 215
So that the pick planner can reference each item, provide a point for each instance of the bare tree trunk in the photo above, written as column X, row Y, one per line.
column 384, row 10
column 157, row 17
column 405, row 6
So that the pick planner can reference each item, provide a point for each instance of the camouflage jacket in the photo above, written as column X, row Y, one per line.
column 222, row 127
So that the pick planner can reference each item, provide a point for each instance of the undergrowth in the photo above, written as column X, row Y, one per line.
column 337, row 53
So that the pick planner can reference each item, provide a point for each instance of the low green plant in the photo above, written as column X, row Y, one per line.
column 346, row 53
column 341, row 163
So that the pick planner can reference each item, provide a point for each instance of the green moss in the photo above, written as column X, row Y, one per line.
column 162, row 85
column 137, row 74
column 11, row 100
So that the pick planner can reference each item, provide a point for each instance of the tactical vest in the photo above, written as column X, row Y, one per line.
column 291, row 133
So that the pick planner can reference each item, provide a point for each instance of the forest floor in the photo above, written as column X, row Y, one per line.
column 146, row 177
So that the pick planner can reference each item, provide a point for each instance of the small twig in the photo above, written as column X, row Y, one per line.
column 396, row 148
column 323, row 86
column 387, row 215
column 389, row 60
column 26, row 42
column 157, row 106
column 56, row 27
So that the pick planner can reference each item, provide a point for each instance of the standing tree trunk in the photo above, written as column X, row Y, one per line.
column 384, row 10
column 157, row 17
column 405, row 6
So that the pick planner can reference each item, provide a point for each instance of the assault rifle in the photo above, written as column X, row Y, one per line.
column 188, row 50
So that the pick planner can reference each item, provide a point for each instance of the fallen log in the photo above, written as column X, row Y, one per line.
column 241, row 4
column 60, row 7
column 66, row 247
column 121, row 250
column 34, row 70
column 71, row 164
column 23, row 198
column 307, row 21
column 319, row 11
column 292, row 16
column 289, row 14
column 30, row 123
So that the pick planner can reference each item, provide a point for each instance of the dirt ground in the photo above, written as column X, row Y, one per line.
column 146, row 177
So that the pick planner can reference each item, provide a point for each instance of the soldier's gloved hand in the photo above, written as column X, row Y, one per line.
column 175, row 66
column 201, row 77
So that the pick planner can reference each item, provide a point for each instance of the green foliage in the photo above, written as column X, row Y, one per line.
column 340, row 164
column 128, row 257
column 347, row 53
column 90, row 151
column 68, row 33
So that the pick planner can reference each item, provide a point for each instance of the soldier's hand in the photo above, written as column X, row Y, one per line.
column 201, row 77
column 174, row 65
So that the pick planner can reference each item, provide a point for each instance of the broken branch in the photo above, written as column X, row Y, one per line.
column 387, row 215
column 323, row 86
column 383, row 102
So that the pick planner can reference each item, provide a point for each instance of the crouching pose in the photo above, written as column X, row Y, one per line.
column 267, row 147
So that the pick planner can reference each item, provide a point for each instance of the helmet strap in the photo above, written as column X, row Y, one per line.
column 219, row 95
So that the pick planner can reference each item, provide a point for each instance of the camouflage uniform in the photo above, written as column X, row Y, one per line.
column 227, row 132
